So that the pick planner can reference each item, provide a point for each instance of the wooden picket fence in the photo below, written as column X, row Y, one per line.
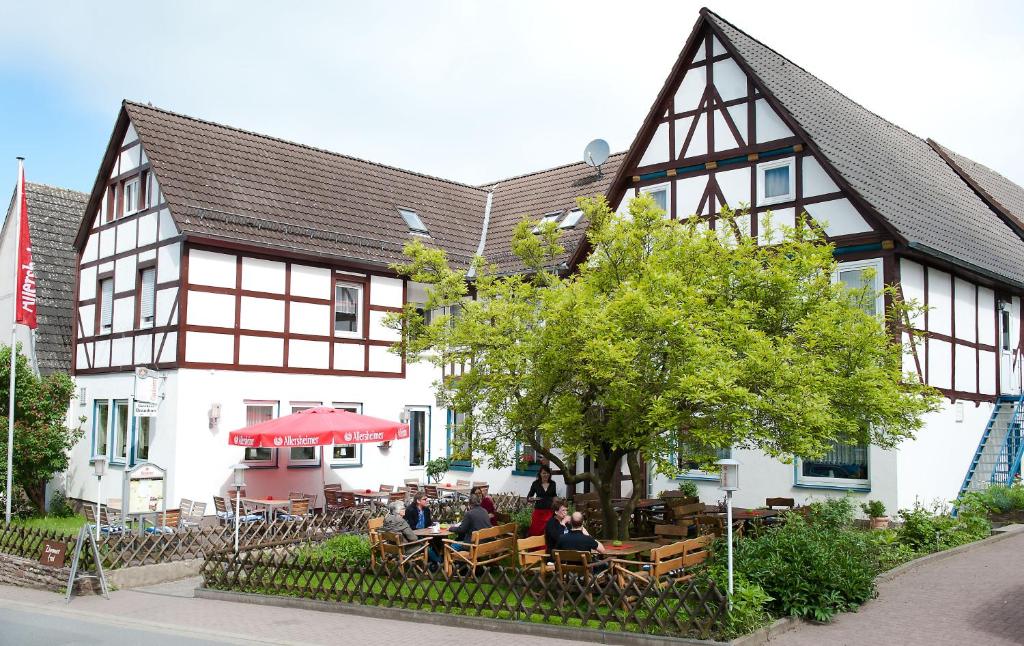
column 291, row 568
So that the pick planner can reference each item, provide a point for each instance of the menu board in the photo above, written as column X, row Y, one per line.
column 145, row 489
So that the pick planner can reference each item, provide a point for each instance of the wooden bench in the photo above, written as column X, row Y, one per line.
column 668, row 565
column 485, row 547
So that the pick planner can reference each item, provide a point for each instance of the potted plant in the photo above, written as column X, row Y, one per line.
column 527, row 462
column 875, row 510
column 436, row 469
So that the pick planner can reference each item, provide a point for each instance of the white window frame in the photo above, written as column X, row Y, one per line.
column 271, row 461
column 357, row 458
column 421, row 230
column 762, row 168
column 409, row 410
column 860, row 484
column 359, row 310
column 152, row 190
column 147, row 318
column 571, row 219
column 117, row 457
column 656, row 188
column 548, row 217
column 104, row 432
column 106, row 326
column 300, row 462
column 132, row 207
column 698, row 474
column 137, row 423
column 869, row 263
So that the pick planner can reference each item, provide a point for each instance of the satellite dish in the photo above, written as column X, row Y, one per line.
column 596, row 153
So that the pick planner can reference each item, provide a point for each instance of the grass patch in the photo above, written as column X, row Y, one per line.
column 69, row 525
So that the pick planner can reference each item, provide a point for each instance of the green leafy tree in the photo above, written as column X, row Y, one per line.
column 42, row 439
column 669, row 339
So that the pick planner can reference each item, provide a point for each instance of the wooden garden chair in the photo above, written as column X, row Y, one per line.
column 431, row 491
column 781, row 503
column 485, row 547
column 166, row 522
column 462, row 483
column 580, row 570
column 396, row 496
column 668, row 565
column 392, row 549
column 298, row 509
column 387, row 488
column 668, row 534
column 532, row 553
column 195, row 515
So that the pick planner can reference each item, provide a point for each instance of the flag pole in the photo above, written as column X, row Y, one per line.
column 14, row 344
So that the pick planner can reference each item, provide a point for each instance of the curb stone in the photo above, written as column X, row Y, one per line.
column 477, row 623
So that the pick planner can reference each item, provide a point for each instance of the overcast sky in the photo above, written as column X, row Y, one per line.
column 476, row 91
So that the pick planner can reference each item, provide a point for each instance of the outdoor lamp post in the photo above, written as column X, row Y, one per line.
column 730, row 474
column 239, row 482
column 99, row 467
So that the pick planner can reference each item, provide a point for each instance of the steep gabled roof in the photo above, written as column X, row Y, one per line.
column 1001, row 194
column 895, row 172
column 53, row 216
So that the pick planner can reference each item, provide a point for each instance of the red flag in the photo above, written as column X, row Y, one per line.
column 25, row 305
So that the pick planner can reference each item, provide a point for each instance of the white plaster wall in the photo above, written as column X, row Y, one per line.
column 964, row 312
column 688, row 198
column 308, row 354
column 262, row 314
column 933, row 465
column 724, row 139
column 385, row 291
column 657, row 151
column 381, row 360
column 311, row 282
column 168, row 227
column 147, row 229
column 202, row 347
column 940, row 311
column 169, row 262
column 349, row 356
column 165, row 299
column 260, row 351
column 87, row 283
column 205, row 308
column 378, row 331
column 209, row 268
column 124, row 274
column 768, row 124
column 815, row 180
column 123, row 314
column 690, row 91
column 126, row 235
column 839, row 217
column 309, row 318
column 735, row 185
column 261, row 275
column 778, row 219
column 699, row 143
column 730, row 81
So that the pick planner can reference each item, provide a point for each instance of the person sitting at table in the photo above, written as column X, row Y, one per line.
column 487, row 503
column 475, row 518
column 542, row 492
column 395, row 522
column 576, row 540
column 558, row 524
column 418, row 513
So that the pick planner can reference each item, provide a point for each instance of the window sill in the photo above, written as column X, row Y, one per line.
column 303, row 466
column 460, row 467
column 700, row 476
column 532, row 474
column 260, row 465
column 346, row 466
column 860, row 488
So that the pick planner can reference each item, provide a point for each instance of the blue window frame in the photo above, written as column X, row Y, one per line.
column 455, row 420
column 419, row 435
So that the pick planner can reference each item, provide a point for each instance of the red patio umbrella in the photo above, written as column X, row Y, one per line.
column 318, row 427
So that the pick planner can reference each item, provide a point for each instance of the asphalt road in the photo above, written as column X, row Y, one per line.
column 20, row 627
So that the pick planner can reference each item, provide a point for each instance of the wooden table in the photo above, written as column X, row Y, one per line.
column 428, row 532
column 372, row 496
column 628, row 548
column 456, row 489
column 740, row 513
column 269, row 504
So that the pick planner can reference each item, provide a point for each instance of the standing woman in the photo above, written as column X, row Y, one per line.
column 542, row 492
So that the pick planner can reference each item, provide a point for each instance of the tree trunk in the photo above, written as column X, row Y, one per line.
column 36, row 493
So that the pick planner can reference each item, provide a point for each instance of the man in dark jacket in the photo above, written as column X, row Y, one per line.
column 576, row 539
column 418, row 513
column 476, row 518
column 557, row 525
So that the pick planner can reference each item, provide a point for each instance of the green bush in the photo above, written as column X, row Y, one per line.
column 932, row 530
column 522, row 519
column 873, row 508
column 347, row 549
column 59, row 506
column 688, row 487
column 832, row 514
column 888, row 550
column 996, row 499
column 749, row 600
column 811, row 570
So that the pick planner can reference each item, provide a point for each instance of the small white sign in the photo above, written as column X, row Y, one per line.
column 146, row 409
column 147, row 386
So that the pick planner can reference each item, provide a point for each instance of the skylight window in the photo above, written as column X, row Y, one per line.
column 548, row 217
column 413, row 221
column 572, row 218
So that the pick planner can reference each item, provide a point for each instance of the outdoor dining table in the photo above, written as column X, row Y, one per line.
column 740, row 513
column 628, row 548
column 427, row 532
column 371, row 496
column 459, row 490
column 270, row 504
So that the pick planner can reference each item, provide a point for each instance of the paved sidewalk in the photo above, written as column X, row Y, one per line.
column 969, row 598
column 170, row 609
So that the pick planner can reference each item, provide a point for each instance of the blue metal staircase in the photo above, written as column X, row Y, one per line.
column 998, row 458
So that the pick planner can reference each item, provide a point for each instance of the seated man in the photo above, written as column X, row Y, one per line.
column 475, row 518
column 418, row 513
column 576, row 539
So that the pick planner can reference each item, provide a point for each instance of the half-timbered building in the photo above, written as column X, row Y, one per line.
column 252, row 275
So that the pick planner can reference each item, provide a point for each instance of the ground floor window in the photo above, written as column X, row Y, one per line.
column 842, row 464
column 143, row 437
column 691, row 467
column 347, row 455
column 100, row 427
column 121, row 431
column 460, row 449
column 528, row 460
column 419, row 429
column 257, row 412
column 303, row 456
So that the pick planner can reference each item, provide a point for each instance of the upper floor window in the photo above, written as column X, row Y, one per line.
column 347, row 309
column 571, row 219
column 413, row 221
column 548, row 217
column 106, row 305
column 776, row 182
column 147, row 297
column 131, row 196
column 152, row 190
column 865, row 278
column 257, row 413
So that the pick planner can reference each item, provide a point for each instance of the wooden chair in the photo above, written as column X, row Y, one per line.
column 224, row 513
column 103, row 521
column 431, row 491
column 373, row 527
column 713, row 525
column 485, row 547
column 396, row 496
column 532, row 554
column 298, row 509
column 166, row 522
column 679, row 498
column 668, row 565
column 195, row 516
column 392, row 549
column 462, row 483
column 387, row 488
column 668, row 534
column 186, row 507
column 335, row 500
column 476, row 483
column 579, row 568
column 781, row 503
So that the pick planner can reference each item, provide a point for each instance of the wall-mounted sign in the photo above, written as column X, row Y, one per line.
column 53, row 554
column 147, row 386
column 145, row 409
